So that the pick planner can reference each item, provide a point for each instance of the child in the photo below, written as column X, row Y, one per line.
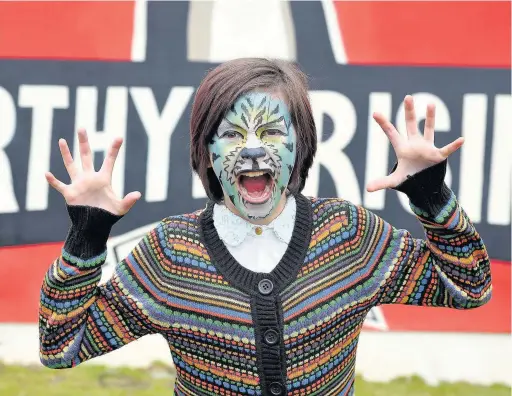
column 264, row 291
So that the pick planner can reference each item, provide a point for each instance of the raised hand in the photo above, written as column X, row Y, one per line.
column 415, row 151
column 87, row 186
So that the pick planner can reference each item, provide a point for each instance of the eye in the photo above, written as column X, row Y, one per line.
column 272, row 132
column 232, row 135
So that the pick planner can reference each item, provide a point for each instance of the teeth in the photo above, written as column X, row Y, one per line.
column 254, row 174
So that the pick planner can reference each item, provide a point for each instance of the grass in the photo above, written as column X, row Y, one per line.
column 158, row 380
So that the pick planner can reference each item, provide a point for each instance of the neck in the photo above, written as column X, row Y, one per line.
column 264, row 221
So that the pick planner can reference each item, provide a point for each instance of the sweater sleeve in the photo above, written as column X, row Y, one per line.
column 450, row 267
column 79, row 319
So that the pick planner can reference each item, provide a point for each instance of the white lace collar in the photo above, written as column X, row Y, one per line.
column 233, row 230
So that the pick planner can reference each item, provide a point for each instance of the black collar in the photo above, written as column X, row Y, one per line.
column 246, row 280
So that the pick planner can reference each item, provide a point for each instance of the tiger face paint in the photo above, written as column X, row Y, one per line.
column 253, row 153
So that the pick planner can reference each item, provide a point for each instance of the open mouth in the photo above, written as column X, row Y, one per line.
column 255, row 187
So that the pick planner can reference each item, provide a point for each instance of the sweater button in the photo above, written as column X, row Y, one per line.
column 271, row 337
column 276, row 388
column 265, row 286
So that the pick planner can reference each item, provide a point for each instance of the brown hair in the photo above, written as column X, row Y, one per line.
column 223, row 85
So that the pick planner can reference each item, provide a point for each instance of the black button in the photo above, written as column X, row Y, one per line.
column 276, row 388
column 265, row 286
column 271, row 337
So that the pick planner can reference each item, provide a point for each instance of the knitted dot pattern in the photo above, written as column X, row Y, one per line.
column 169, row 284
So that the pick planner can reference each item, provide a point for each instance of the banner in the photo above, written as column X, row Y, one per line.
column 131, row 69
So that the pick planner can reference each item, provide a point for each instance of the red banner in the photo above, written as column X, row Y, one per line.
column 130, row 69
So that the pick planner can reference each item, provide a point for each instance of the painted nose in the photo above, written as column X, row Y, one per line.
column 252, row 153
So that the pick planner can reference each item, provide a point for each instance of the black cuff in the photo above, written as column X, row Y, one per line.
column 89, row 232
column 427, row 189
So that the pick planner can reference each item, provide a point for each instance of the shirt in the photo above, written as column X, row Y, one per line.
column 257, row 247
column 231, row 331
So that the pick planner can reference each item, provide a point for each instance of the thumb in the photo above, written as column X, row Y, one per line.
column 54, row 182
column 129, row 200
column 388, row 181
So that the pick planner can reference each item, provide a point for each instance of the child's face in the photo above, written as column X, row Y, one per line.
column 253, row 153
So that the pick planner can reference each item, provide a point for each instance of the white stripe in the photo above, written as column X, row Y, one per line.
column 140, row 24
column 237, row 30
column 335, row 37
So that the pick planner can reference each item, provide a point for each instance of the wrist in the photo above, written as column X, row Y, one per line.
column 89, row 231
column 426, row 189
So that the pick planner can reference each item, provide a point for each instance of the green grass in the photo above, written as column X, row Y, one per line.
column 158, row 380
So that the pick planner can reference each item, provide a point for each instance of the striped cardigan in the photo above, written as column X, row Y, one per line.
column 232, row 331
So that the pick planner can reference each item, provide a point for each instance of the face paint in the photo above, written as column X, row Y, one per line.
column 253, row 153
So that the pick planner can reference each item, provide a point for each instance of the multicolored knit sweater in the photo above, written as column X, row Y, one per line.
column 232, row 331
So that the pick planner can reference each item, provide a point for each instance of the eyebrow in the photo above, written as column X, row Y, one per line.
column 273, row 123
column 225, row 120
